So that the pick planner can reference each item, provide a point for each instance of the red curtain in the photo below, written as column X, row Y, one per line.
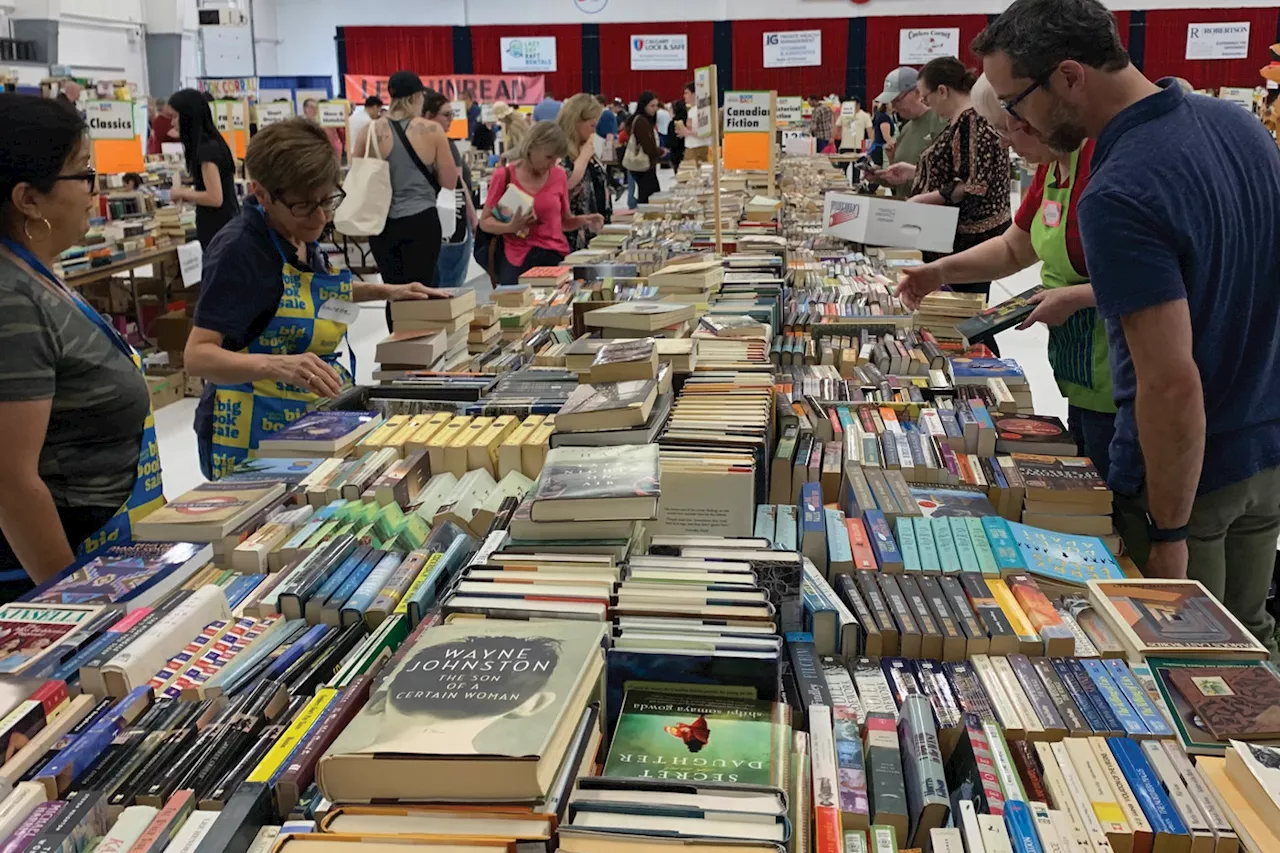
column 748, row 58
column 486, row 53
column 1167, row 46
column 882, row 42
column 386, row 50
column 617, row 80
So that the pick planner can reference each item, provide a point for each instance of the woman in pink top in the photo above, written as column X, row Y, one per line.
column 533, row 238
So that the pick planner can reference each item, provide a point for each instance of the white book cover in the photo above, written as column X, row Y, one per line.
column 1006, row 713
column 142, row 658
column 1256, row 771
column 127, row 829
column 1198, row 788
column 19, row 803
column 1021, row 703
column 946, row 840
column 1050, row 841
column 971, row 833
column 1084, row 805
column 995, row 838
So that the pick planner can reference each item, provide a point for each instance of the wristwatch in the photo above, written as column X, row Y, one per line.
column 1155, row 533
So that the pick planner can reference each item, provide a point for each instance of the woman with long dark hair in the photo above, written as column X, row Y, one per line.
column 643, row 151
column 209, row 163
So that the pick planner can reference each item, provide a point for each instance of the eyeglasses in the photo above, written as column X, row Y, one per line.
column 89, row 176
column 1010, row 106
column 305, row 209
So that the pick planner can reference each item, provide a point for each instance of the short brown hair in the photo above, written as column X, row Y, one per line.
column 293, row 155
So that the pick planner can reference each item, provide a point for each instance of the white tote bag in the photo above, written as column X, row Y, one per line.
column 363, row 213
column 447, row 210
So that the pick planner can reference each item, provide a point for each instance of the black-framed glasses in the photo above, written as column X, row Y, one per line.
column 304, row 209
column 1010, row 106
column 89, row 176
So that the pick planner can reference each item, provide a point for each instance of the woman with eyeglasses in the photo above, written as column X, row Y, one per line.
column 966, row 166
column 78, row 457
column 1045, row 229
column 272, row 312
column 209, row 164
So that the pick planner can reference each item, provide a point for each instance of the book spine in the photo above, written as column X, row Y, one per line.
column 1110, row 725
column 987, row 564
column 1047, row 828
column 1040, row 613
column 1005, row 548
column 874, row 598
column 873, row 688
column 925, row 779
column 976, row 640
column 1130, row 722
column 985, row 764
column 1179, row 797
column 1142, row 779
column 901, row 679
column 1021, row 827
column 826, row 802
column 885, row 781
column 883, row 545
column 1006, row 713
column 994, row 621
column 954, row 637
column 1028, row 637
column 933, row 681
column 1151, row 717
column 1098, row 794
column 931, row 639
column 1084, row 707
column 1199, row 790
column 1135, row 819
column 945, row 542
column 293, row 735
column 846, row 717
column 845, row 703
column 1045, row 706
column 908, row 630
column 907, row 546
column 1010, row 784
column 1066, row 798
column 1024, row 760
column 1034, row 729
column 968, row 689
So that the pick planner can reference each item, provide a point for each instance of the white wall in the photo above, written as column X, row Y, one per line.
column 266, row 40
column 104, row 39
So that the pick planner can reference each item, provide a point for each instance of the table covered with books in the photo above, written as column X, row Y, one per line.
column 660, row 549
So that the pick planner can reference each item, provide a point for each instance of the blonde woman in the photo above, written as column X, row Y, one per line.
column 588, row 182
column 418, row 150
column 514, row 127
column 523, row 239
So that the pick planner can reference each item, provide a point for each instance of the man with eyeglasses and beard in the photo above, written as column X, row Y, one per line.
column 272, row 312
column 1182, row 258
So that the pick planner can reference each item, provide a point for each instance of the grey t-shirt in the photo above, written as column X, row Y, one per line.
column 52, row 351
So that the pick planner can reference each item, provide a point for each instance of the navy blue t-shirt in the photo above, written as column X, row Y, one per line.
column 1184, row 203
column 607, row 125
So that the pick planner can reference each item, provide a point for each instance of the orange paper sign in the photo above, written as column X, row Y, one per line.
column 746, row 150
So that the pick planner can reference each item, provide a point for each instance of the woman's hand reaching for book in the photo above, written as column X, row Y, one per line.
column 916, row 283
column 308, row 371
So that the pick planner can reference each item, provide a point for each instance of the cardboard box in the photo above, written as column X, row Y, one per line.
column 166, row 388
column 171, row 331
column 876, row 221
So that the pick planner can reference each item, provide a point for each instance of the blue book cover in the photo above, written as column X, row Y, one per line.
column 1022, row 827
column 1147, row 787
column 1005, row 548
column 69, row 671
column 359, row 557
column 1064, row 557
column 766, row 521
column 361, row 573
column 1089, row 688
column 967, row 370
column 907, row 544
column 943, row 541
column 266, row 470
column 1138, row 698
column 882, row 545
column 963, row 503
column 964, row 545
column 1130, row 721
column 124, row 574
column 785, row 532
column 241, row 588
column 981, row 415
column 315, row 635
column 987, row 564
column 358, row 602
column 423, row 598
column 70, row 764
column 326, row 427
column 838, row 548
column 930, row 561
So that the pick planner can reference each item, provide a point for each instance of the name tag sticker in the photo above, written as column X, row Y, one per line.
column 339, row 311
column 1051, row 213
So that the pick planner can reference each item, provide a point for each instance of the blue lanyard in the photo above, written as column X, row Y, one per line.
column 85, row 308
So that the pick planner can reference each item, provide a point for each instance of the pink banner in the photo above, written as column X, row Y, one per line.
column 485, row 88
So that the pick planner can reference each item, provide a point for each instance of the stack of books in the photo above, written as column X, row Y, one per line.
column 1065, row 494
column 614, row 413
column 486, row 330
column 655, row 319
column 691, row 281
column 942, row 311
column 452, row 316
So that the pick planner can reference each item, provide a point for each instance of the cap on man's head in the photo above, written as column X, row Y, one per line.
column 898, row 82
column 404, row 83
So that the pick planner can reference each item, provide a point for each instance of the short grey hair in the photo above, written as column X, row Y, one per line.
column 988, row 105
column 1037, row 35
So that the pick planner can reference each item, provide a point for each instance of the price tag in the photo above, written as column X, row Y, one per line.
column 191, row 262
column 339, row 311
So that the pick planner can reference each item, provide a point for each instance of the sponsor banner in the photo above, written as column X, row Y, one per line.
column 1218, row 41
column 535, row 53
column 659, row 53
column 793, row 49
column 918, row 46
column 485, row 88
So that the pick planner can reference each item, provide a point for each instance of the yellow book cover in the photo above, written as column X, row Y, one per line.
column 483, row 452
column 509, row 451
column 1101, row 798
column 428, row 567
column 442, row 439
column 1143, row 835
column 1082, row 807
column 293, row 735
column 435, row 423
column 456, row 452
column 533, row 453
column 400, row 438
column 377, row 438
column 1028, row 637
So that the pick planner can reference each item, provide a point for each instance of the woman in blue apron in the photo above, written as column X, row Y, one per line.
column 78, row 456
column 272, row 312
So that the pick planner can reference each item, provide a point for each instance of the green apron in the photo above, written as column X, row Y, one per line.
column 1077, row 348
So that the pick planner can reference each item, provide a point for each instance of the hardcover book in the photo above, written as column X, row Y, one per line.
column 1191, row 728
column 1043, row 434
column 1062, row 479
column 1234, row 702
column 683, row 735
column 608, row 405
column 976, row 371
column 477, row 709
column 29, row 631
column 1172, row 617
column 954, row 503
column 579, row 484
column 999, row 318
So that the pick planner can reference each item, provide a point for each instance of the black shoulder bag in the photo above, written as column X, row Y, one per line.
column 487, row 246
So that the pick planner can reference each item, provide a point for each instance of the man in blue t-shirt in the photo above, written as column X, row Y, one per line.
column 1179, row 223
column 607, row 125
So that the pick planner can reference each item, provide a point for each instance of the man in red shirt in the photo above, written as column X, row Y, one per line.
column 163, row 128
